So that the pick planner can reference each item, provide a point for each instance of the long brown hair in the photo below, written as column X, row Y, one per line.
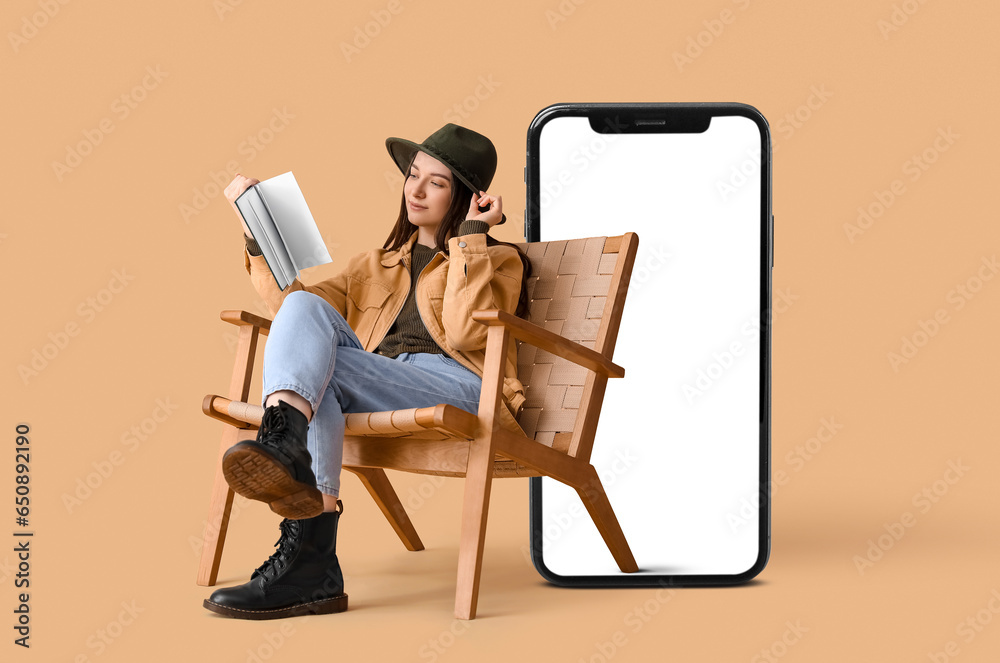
column 453, row 218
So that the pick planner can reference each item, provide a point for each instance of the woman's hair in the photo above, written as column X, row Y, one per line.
column 453, row 218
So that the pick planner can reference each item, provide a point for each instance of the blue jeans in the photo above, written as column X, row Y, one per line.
column 312, row 351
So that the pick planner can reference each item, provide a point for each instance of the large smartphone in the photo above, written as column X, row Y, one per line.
column 683, row 441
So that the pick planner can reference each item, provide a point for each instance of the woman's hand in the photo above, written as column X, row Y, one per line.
column 233, row 191
column 491, row 216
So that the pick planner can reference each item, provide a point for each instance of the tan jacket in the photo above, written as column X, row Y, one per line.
column 371, row 290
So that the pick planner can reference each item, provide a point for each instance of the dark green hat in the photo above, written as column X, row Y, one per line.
column 470, row 156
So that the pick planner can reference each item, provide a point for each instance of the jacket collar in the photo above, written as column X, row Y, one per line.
column 393, row 258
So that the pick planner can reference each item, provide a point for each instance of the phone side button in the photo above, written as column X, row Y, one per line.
column 772, row 241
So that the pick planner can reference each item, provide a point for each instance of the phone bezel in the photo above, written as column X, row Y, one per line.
column 678, row 117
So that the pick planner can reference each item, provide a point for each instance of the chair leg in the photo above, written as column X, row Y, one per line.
column 377, row 483
column 475, row 508
column 221, row 502
column 219, row 508
column 591, row 491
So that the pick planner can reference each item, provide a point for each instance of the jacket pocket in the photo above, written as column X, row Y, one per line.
column 365, row 301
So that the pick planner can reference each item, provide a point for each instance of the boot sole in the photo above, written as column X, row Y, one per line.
column 321, row 607
column 256, row 475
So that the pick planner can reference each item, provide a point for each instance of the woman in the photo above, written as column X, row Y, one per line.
column 392, row 331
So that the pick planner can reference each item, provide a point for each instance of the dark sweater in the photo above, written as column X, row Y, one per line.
column 408, row 333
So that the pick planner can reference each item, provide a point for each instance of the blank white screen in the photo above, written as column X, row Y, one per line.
column 679, row 456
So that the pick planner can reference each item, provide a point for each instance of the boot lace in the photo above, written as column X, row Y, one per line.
column 286, row 545
column 274, row 424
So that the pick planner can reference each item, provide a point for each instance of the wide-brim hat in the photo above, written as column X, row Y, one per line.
column 470, row 156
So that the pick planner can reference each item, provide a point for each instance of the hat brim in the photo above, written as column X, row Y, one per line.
column 402, row 150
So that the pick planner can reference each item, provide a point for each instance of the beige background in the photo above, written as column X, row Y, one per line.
column 224, row 69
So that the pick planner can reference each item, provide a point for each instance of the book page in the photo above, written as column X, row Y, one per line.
column 294, row 222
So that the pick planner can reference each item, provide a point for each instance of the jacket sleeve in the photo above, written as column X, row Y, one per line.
column 333, row 290
column 479, row 277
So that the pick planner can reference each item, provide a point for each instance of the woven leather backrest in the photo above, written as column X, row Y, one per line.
column 568, row 289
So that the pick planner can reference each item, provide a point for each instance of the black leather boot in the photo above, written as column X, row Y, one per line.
column 276, row 467
column 302, row 577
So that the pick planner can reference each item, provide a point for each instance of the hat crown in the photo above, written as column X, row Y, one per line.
column 470, row 155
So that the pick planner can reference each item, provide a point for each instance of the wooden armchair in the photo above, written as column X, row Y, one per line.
column 577, row 294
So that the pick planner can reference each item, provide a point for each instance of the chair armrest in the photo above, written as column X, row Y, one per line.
column 237, row 317
column 550, row 341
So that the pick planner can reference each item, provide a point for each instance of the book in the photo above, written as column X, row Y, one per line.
column 280, row 221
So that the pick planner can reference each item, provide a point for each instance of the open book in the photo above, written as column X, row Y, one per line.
column 279, row 220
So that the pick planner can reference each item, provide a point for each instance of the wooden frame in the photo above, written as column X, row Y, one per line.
column 445, row 440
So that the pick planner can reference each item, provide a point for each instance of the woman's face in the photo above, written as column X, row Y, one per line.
column 427, row 191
